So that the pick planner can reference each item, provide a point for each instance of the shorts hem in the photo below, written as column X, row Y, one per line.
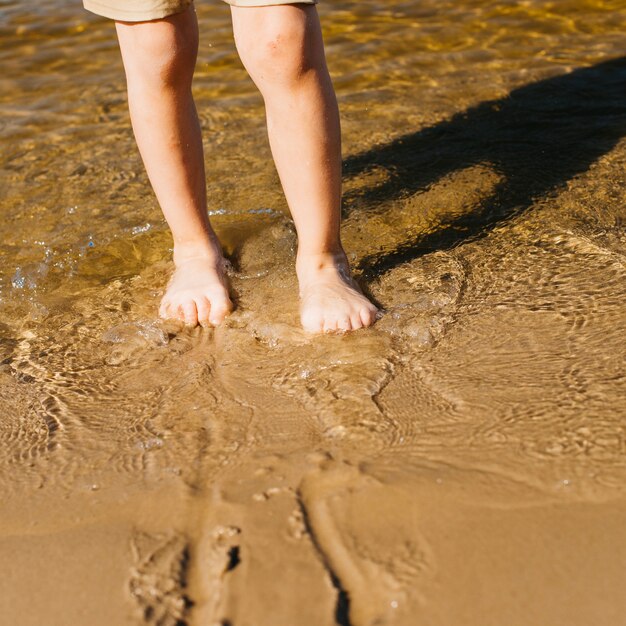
column 124, row 15
column 266, row 3
column 147, row 15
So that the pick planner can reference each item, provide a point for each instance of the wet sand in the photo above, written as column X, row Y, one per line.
column 461, row 463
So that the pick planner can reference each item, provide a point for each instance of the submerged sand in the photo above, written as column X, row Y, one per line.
column 461, row 463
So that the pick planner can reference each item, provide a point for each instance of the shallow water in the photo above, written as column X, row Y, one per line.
column 485, row 154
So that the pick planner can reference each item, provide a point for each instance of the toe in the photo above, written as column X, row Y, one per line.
column 164, row 309
column 218, row 312
column 190, row 313
column 203, row 307
column 367, row 316
column 310, row 322
column 356, row 322
column 344, row 323
column 329, row 325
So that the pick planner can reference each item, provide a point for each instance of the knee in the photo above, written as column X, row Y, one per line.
column 161, row 53
column 279, row 52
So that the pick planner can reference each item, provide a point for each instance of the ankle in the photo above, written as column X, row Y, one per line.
column 208, row 249
column 307, row 262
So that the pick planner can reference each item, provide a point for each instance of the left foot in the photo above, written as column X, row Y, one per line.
column 330, row 299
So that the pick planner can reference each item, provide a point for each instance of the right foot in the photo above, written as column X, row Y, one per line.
column 197, row 292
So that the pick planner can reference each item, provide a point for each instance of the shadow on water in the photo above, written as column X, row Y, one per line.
column 538, row 137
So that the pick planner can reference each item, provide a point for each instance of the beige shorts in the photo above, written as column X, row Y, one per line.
column 145, row 10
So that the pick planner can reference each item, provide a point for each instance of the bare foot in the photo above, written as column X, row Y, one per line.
column 330, row 299
column 198, row 290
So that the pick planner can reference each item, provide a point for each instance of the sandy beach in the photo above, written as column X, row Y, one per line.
column 461, row 463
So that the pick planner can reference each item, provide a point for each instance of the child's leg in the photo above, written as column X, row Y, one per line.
column 282, row 49
column 159, row 59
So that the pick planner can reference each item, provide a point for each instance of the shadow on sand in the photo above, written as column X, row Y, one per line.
column 538, row 137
